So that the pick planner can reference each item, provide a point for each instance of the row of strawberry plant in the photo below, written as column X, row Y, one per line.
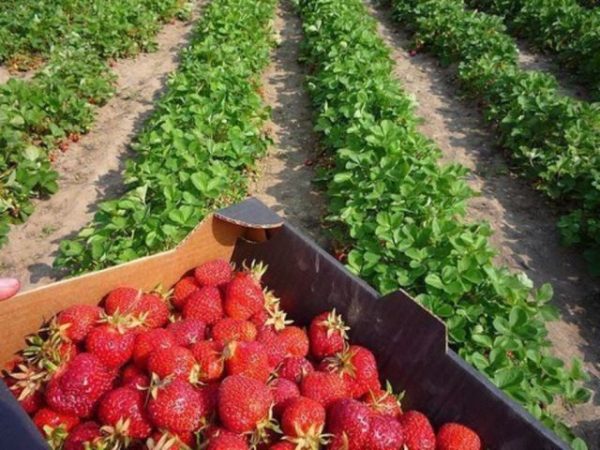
column 562, row 27
column 194, row 153
column 29, row 29
column 38, row 116
column 401, row 215
column 552, row 138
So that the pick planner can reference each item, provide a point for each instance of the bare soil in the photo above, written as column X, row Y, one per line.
column 522, row 220
column 91, row 170
column 5, row 74
column 284, row 176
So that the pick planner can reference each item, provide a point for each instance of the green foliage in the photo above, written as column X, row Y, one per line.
column 38, row 115
column 553, row 138
column 401, row 213
column 196, row 149
column 560, row 26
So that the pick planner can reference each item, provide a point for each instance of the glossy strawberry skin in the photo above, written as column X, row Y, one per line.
column 294, row 369
column 46, row 417
column 454, row 436
column 205, row 305
column 83, row 433
column 209, row 356
column 80, row 320
column 228, row 329
column 273, row 345
column 149, row 341
column 283, row 391
column 348, row 421
column 240, row 412
column 213, row 273
column 173, row 361
column 294, row 341
column 227, row 441
column 385, row 433
column 300, row 415
column 188, row 331
column 283, row 446
column 249, row 359
column 323, row 387
column 122, row 299
column 77, row 389
column 178, row 407
column 125, row 403
column 419, row 434
column 112, row 347
column 180, row 441
column 243, row 297
column 134, row 377
column 182, row 290
column 322, row 342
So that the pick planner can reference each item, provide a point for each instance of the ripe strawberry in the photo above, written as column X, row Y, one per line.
column 123, row 408
column 327, row 334
column 213, row 273
column 122, row 300
column 283, row 445
column 210, row 395
column 295, row 369
column 176, row 406
column 357, row 367
column 385, row 433
column 294, row 341
column 176, row 361
column 243, row 403
column 76, row 321
column 226, row 440
column 283, row 390
column 182, row 290
column 454, row 436
column 228, row 329
column 243, row 296
column 78, row 387
column 260, row 318
column 205, row 304
column 49, row 352
column 188, row 331
column 384, row 402
column 87, row 432
column 323, row 387
column 47, row 420
column 209, row 356
column 303, row 421
column 26, row 383
column 247, row 358
column 418, row 431
column 273, row 345
column 164, row 440
column 148, row 341
column 149, row 307
column 111, row 344
column 134, row 377
column 348, row 421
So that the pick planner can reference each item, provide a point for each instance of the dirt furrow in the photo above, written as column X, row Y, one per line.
column 284, row 177
column 522, row 220
column 91, row 170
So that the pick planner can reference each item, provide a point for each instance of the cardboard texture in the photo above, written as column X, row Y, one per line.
column 410, row 343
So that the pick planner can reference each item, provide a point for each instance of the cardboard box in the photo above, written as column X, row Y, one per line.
column 410, row 344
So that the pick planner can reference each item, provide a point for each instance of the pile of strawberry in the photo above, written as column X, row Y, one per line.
column 213, row 364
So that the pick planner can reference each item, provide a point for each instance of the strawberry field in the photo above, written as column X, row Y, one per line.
column 386, row 195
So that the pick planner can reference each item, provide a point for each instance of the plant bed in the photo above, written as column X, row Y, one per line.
column 410, row 344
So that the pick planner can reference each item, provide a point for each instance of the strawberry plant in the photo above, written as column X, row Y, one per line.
column 401, row 214
column 195, row 151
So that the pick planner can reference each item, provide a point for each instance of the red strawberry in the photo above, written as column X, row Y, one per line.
column 226, row 440
column 49, row 352
column 164, row 440
column 149, row 307
column 281, row 445
column 270, row 341
column 123, row 408
column 176, row 406
column 26, row 384
column 327, row 334
column 454, row 436
column 210, row 394
column 244, row 403
column 76, row 321
column 122, row 300
column 112, row 345
column 154, row 310
column 323, row 387
column 205, row 304
column 87, row 432
column 182, row 290
column 260, row 318
column 294, row 341
column 385, row 433
column 76, row 390
column 148, row 341
column 303, row 421
column 213, row 273
column 357, row 367
column 243, row 296
column 134, row 377
column 47, row 420
column 348, row 421
column 283, row 390
column 247, row 358
column 209, row 356
column 188, row 331
column 418, row 431
column 295, row 369
column 383, row 402
column 176, row 361
column 228, row 329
